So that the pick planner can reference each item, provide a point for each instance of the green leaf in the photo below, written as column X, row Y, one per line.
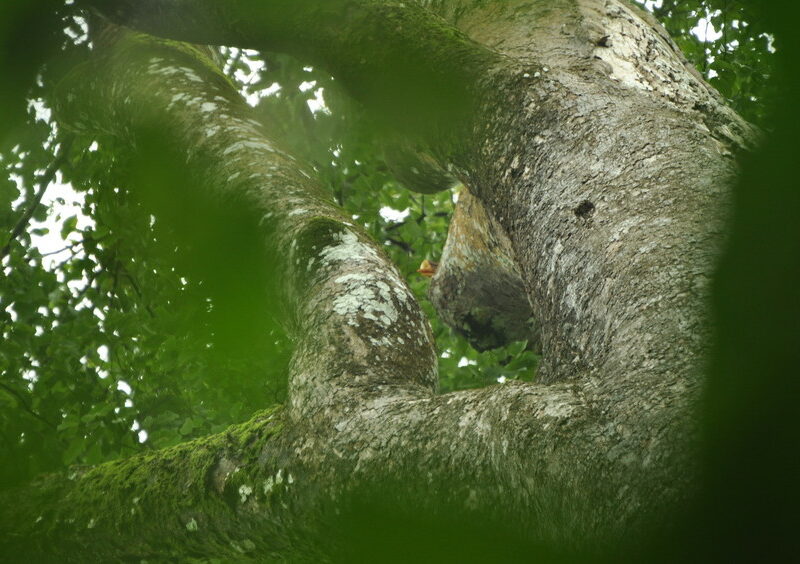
column 187, row 427
column 69, row 226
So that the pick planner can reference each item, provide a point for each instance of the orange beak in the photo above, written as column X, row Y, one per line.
column 428, row 268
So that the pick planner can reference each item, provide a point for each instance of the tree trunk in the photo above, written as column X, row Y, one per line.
column 597, row 156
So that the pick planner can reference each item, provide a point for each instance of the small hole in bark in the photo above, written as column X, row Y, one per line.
column 604, row 41
column 584, row 210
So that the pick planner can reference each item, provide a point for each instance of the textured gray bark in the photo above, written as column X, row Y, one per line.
column 478, row 288
column 603, row 160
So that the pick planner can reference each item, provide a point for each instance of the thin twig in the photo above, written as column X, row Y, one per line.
column 44, row 183
column 70, row 247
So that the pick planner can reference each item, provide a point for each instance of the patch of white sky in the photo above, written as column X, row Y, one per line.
column 252, row 76
column 704, row 30
column 81, row 35
column 393, row 215
column 464, row 362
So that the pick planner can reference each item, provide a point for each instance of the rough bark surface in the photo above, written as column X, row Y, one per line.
column 478, row 288
column 602, row 160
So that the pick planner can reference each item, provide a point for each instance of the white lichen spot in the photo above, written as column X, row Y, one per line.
column 558, row 409
column 191, row 75
column 180, row 97
column 466, row 420
column 299, row 211
column 244, row 492
column 558, row 248
column 366, row 293
column 165, row 71
column 91, row 523
column 370, row 301
column 191, row 526
column 272, row 481
column 39, row 519
column 207, row 107
column 382, row 342
column 571, row 296
column 289, row 479
column 238, row 146
column 233, row 176
column 348, row 249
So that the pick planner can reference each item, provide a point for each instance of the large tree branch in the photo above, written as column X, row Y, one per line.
column 258, row 487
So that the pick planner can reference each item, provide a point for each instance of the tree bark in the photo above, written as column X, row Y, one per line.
column 599, row 158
